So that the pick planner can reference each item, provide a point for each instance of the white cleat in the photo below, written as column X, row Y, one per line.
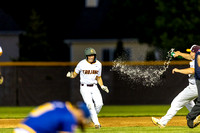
column 157, row 122
column 97, row 126
column 196, row 121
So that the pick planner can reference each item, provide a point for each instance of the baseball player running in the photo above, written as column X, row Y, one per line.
column 90, row 74
column 186, row 97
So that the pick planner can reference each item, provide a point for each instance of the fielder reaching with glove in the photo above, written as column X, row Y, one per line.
column 90, row 74
column 186, row 97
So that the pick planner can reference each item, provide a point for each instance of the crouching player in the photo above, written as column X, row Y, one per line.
column 55, row 117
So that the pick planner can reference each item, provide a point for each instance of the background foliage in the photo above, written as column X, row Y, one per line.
column 164, row 24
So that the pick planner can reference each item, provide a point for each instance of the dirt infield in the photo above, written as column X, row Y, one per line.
column 138, row 121
column 112, row 122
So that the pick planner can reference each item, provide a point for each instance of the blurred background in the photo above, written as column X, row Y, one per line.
column 36, row 34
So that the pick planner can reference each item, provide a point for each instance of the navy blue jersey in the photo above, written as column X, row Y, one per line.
column 50, row 118
column 197, row 68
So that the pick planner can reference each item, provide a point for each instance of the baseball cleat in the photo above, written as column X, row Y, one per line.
column 196, row 121
column 97, row 126
column 157, row 122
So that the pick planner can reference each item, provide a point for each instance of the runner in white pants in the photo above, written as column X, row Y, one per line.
column 186, row 97
column 90, row 74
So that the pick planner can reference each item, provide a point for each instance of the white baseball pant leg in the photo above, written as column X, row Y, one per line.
column 184, row 98
column 98, row 101
column 20, row 130
column 89, row 94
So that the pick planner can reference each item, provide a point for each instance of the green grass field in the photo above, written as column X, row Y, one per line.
column 113, row 111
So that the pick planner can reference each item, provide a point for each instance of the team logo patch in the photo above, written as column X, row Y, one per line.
column 92, row 51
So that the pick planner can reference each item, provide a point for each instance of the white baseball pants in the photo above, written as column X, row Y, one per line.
column 184, row 98
column 90, row 94
column 20, row 130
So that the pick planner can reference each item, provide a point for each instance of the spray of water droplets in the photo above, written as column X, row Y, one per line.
column 147, row 75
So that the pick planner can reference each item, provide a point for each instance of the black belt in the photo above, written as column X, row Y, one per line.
column 88, row 85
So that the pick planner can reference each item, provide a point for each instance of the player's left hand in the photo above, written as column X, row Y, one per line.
column 174, row 70
column 105, row 88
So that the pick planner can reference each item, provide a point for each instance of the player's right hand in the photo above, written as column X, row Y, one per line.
column 177, row 53
column 69, row 74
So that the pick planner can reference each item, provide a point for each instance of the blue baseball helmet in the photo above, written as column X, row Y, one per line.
column 84, row 108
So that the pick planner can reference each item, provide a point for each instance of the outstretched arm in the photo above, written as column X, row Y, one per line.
column 184, row 55
column 71, row 74
column 183, row 71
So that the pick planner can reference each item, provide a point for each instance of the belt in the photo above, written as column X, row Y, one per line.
column 88, row 85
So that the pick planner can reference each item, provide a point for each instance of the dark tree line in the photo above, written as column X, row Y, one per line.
column 36, row 43
column 177, row 24
column 164, row 24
